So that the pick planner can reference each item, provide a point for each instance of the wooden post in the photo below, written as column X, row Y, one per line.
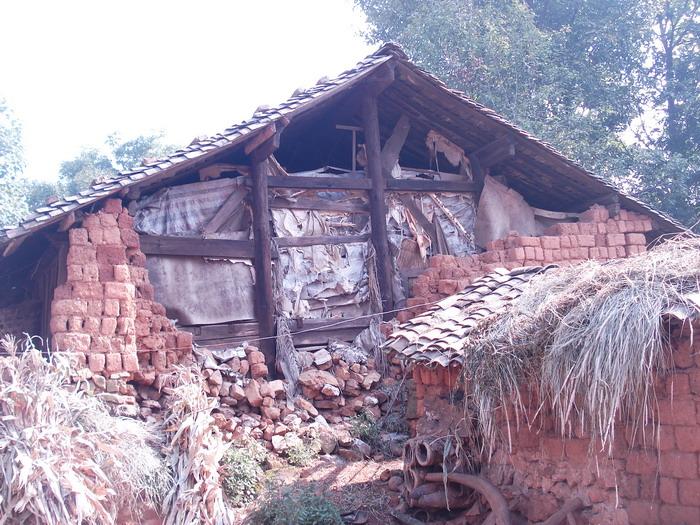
column 377, row 202
column 264, row 299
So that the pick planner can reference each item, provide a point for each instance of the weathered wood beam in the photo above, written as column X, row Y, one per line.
column 224, row 212
column 194, row 247
column 266, row 148
column 422, row 220
column 316, row 240
column 303, row 203
column 377, row 199
column 378, row 81
column 394, row 144
column 431, row 186
column 262, row 239
column 495, row 152
column 478, row 175
column 318, row 183
column 258, row 140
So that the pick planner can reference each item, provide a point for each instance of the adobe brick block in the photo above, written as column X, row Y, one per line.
column 94, row 307
column 573, row 241
column 676, row 411
column 496, row 245
column 90, row 272
column 646, row 225
column 96, row 234
column 184, row 341
column 539, row 254
column 69, row 307
column 565, row 254
column 620, row 252
column 125, row 220
column 136, row 257
column 622, row 226
column 130, row 238
column 127, row 307
column 615, row 239
column 108, row 326
column 58, row 323
column 404, row 316
column 668, row 490
column 641, row 462
column 629, row 486
column 107, row 220
column 87, row 290
column 130, row 362
column 515, row 254
column 113, row 362
column 681, row 465
column 96, row 362
column 91, row 324
column 447, row 286
column 689, row 492
column 111, row 307
column 159, row 360
column 416, row 301
column 122, row 291
column 577, row 449
column 113, row 206
column 611, row 226
column 587, row 228
column 63, row 291
column 81, row 255
column 550, row 242
column 75, row 324
column 564, row 241
column 563, row 228
column 77, row 236
column 125, row 325
column 74, row 342
column 635, row 239
column 111, row 254
column 595, row 253
column 121, row 273
column 586, row 240
column 688, row 438
column 437, row 261
column 678, row 514
column 490, row 257
column 112, row 235
column 643, row 512
column 529, row 253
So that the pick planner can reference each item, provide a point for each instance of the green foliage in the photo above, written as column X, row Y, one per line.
column 303, row 452
column 243, row 472
column 296, row 507
column 13, row 205
column 366, row 428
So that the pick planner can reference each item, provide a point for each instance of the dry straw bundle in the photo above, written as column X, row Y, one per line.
column 63, row 457
column 195, row 450
column 589, row 339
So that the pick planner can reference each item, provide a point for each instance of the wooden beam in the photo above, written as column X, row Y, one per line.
column 379, row 80
column 195, row 247
column 230, row 205
column 422, row 220
column 318, row 183
column 258, row 140
column 316, row 240
column 12, row 246
column 263, row 150
column 431, row 186
column 478, row 175
column 497, row 151
column 262, row 235
column 303, row 203
column 392, row 146
column 377, row 200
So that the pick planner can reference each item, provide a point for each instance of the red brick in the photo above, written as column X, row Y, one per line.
column 112, row 236
column 69, row 307
column 646, row 225
column 586, row 240
column 90, row 272
column 130, row 238
column 622, row 226
column 563, row 228
column 81, row 255
column 77, row 236
column 643, row 513
column 184, row 341
column 682, row 465
column 678, row 515
column 629, row 486
column 587, row 228
column 74, row 342
column 615, row 239
column 125, row 220
column 96, row 362
column 677, row 411
column 108, row 326
column 121, row 273
column 107, row 220
column 113, row 362
column 515, row 254
column 159, row 360
column 96, row 234
column 688, row 438
column 689, row 492
column 641, row 462
column 75, row 324
column 136, row 257
column 668, row 490
column 111, row 254
column 611, row 226
column 94, row 307
column 258, row 370
column 146, row 291
column 539, row 254
column 111, row 307
column 91, row 325
column 447, row 286
column 491, row 257
column 119, row 291
column 577, row 449
column 127, row 307
column 635, row 239
column 87, row 290
column 529, row 252
column 58, row 323
column 130, row 362
column 550, row 242
column 113, row 206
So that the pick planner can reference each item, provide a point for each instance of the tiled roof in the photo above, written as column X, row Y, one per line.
column 438, row 335
column 298, row 103
column 199, row 149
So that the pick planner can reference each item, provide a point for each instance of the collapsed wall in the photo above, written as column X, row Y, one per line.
column 596, row 236
column 105, row 312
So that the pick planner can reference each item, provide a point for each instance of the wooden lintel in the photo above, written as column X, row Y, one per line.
column 194, row 247
column 224, row 212
column 495, row 152
column 315, row 240
column 318, row 183
column 430, row 186
column 377, row 200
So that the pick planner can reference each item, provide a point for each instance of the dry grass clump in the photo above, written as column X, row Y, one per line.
column 63, row 457
column 590, row 338
column 195, row 449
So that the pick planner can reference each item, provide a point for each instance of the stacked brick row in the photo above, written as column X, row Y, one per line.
column 596, row 236
column 105, row 312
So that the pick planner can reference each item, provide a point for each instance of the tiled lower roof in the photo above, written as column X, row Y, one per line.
column 438, row 335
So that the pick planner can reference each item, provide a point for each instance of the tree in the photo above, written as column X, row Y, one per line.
column 13, row 206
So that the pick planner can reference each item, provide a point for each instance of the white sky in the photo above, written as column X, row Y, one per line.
column 74, row 71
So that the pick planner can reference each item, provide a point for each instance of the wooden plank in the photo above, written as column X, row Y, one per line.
column 319, row 183
column 377, row 200
column 240, row 329
column 264, row 298
column 227, row 208
column 309, row 324
column 304, row 203
column 191, row 247
column 314, row 240
column 322, row 337
column 431, row 186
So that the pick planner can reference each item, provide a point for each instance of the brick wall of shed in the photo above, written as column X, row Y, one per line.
column 105, row 312
column 596, row 236
column 21, row 318
column 657, row 482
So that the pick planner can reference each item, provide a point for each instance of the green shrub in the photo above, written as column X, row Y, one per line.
column 296, row 507
column 302, row 453
column 366, row 428
column 242, row 472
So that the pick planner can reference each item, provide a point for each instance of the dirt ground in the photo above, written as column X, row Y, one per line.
column 351, row 486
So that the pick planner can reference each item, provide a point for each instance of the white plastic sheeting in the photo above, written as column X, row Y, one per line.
column 195, row 290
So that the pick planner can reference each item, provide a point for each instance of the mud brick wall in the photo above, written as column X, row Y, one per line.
column 651, row 479
column 105, row 311
column 596, row 236
column 21, row 318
